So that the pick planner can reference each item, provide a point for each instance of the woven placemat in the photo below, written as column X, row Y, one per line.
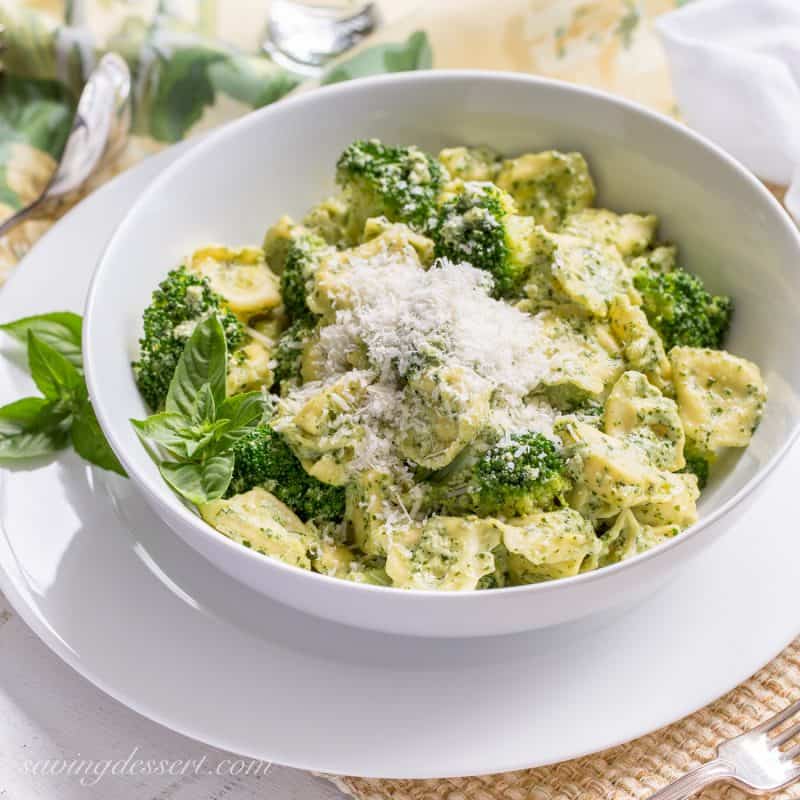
column 631, row 771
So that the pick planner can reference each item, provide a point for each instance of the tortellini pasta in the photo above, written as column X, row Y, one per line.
column 629, row 234
column 250, row 367
column 589, row 275
column 470, row 163
column 319, row 427
column 466, row 360
column 674, row 503
column 367, row 499
column 643, row 348
column 329, row 220
column 394, row 235
column 241, row 277
column 339, row 561
column 445, row 408
column 261, row 522
column 554, row 544
column 548, row 186
column 627, row 537
column 584, row 359
column 637, row 412
column 451, row 553
column 720, row 396
column 616, row 473
column 331, row 289
column 663, row 258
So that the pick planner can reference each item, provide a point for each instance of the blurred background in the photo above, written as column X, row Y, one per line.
column 196, row 64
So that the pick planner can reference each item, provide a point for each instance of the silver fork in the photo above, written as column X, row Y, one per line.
column 100, row 126
column 754, row 761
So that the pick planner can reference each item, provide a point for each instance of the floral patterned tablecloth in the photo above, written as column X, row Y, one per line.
column 198, row 63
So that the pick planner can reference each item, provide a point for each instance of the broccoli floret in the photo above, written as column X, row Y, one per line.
column 476, row 227
column 698, row 463
column 262, row 458
column 301, row 262
column 181, row 300
column 680, row 309
column 399, row 183
column 288, row 354
column 520, row 474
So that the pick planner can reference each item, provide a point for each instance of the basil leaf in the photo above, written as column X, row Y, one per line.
column 56, row 377
column 205, row 407
column 89, row 440
column 244, row 410
column 199, row 482
column 29, row 445
column 240, row 413
column 32, row 426
column 168, row 430
column 204, row 360
column 181, row 439
column 60, row 329
column 31, row 414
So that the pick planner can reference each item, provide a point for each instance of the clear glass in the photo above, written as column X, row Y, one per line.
column 304, row 35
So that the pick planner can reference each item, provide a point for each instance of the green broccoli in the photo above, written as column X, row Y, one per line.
column 301, row 262
column 521, row 474
column 476, row 227
column 698, row 463
column 681, row 310
column 262, row 458
column 288, row 354
column 399, row 183
column 180, row 301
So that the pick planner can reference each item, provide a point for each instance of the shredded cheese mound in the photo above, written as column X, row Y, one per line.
column 402, row 313
column 405, row 318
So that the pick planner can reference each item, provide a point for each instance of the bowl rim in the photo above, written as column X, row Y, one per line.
column 158, row 489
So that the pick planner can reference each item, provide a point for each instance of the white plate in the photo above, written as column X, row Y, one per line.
column 130, row 607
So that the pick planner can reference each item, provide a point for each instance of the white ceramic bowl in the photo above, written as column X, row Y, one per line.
column 231, row 186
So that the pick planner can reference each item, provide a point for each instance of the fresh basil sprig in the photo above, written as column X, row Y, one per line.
column 60, row 329
column 199, row 424
column 37, row 426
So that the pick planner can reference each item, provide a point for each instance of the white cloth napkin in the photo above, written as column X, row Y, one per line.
column 735, row 68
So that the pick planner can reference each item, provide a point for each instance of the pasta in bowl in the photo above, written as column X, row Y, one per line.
column 468, row 393
column 463, row 375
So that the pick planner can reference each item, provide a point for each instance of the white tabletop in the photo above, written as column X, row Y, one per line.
column 52, row 719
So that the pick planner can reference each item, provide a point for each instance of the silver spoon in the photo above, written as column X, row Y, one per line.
column 101, row 125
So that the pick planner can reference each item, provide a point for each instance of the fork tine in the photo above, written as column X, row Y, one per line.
column 780, row 717
column 782, row 738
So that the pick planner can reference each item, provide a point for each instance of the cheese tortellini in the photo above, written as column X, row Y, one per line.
column 319, row 425
column 720, row 396
column 261, row 522
column 445, row 408
column 636, row 411
column 548, row 186
column 443, row 553
column 241, row 277
column 478, row 379
column 585, row 362
column 554, row 544
column 629, row 234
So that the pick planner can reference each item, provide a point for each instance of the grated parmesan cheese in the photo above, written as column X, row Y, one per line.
column 403, row 317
